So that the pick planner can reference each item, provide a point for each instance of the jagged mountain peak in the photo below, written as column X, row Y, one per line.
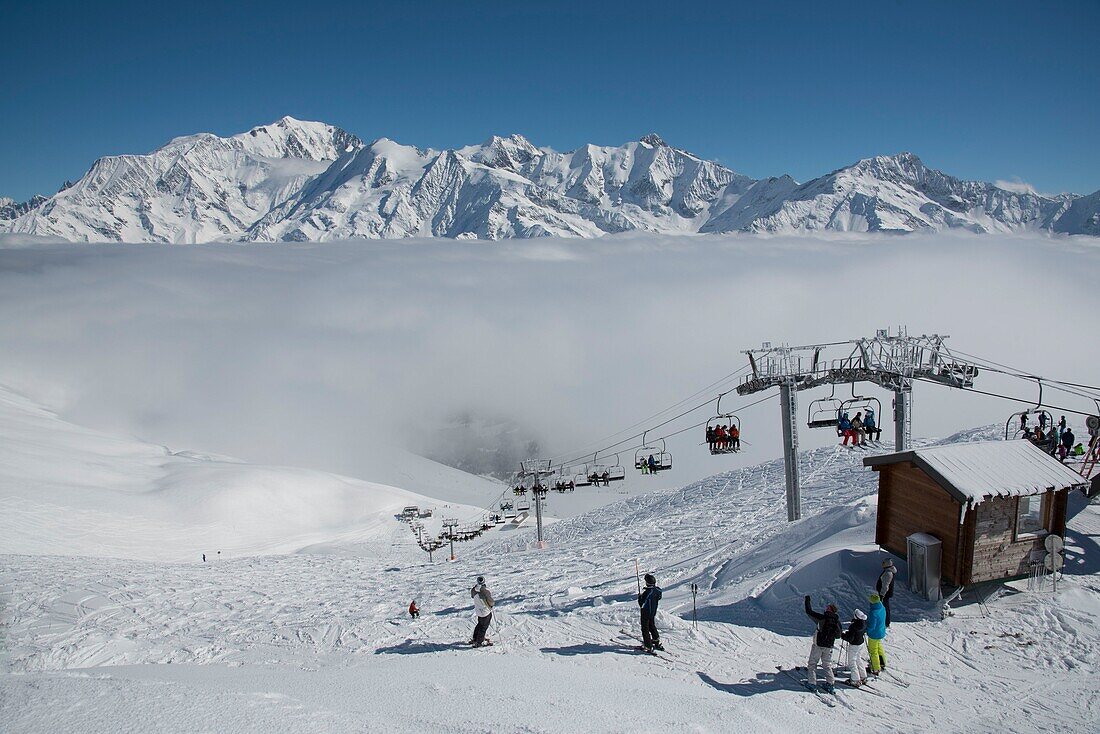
column 299, row 180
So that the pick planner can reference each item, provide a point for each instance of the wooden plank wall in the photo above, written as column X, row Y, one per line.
column 910, row 502
column 996, row 554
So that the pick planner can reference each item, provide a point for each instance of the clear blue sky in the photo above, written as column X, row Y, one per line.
column 985, row 90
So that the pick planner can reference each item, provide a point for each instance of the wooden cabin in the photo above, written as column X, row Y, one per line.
column 989, row 503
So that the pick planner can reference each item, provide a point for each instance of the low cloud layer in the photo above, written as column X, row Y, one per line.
column 325, row 355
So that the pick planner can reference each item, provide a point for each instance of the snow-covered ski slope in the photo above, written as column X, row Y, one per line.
column 314, row 643
column 68, row 490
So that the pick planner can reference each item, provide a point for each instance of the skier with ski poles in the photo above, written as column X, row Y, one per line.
column 647, row 600
column 821, row 648
column 483, row 608
column 854, row 639
column 876, row 633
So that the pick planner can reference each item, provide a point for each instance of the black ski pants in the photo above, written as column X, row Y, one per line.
column 650, row 635
column 482, row 628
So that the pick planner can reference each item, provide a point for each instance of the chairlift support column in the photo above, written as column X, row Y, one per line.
column 788, row 400
column 903, row 412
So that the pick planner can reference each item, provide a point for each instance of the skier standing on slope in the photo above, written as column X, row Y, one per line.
column 885, row 585
column 483, row 608
column 821, row 649
column 414, row 611
column 647, row 600
column 876, row 633
column 854, row 636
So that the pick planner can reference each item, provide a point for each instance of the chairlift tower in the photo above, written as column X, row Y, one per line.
column 891, row 361
column 537, row 469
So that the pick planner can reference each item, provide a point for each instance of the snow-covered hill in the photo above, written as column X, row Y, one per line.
column 308, row 181
column 68, row 490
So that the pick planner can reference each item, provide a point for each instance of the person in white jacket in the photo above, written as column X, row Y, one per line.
column 483, row 608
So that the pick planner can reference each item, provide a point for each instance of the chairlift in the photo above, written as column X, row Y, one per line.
column 523, row 506
column 725, row 421
column 580, row 476
column 860, row 404
column 662, row 459
column 824, row 412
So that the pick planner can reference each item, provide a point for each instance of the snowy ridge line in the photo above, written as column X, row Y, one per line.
column 296, row 181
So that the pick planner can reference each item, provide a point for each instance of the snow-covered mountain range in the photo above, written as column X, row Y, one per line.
column 309, row 181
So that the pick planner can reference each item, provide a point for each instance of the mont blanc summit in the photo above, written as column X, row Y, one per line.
column 310, row 181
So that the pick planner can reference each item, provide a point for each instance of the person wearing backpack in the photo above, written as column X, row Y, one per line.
column 855, row 637
column 821, row 649
column 483, row 608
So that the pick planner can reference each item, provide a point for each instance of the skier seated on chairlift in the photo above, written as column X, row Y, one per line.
column 873, row 431
column 735, row 437
column 844, row 428
column 652, row 464
column 857, row 430
column 711, row 439
column 720, row 437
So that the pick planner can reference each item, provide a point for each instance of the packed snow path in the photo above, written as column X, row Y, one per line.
column 322, row 642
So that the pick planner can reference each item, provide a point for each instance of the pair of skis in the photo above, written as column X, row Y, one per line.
column 659, row 654
column 832, row 700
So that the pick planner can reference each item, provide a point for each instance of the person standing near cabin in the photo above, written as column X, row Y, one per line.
column 821, row 649
column 855, row 637
column 1062, row 424
column 483, row 608
column 885, row 585
column 876, row 634
column 648, row 600
column 1067, row 444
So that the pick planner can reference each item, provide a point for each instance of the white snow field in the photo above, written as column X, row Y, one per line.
column 307, row 642
column 129, row 373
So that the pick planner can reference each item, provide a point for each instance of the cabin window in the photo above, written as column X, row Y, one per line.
column 1031, row 516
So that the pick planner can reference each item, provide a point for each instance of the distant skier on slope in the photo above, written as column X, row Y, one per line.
column 876, row 633
column 648, row 600
column 885, row 585
column 821, row 649
column 855, row 637
column 483, row 608
column 414, row 611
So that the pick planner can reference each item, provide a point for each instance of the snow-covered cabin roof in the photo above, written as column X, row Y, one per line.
column 972, row 472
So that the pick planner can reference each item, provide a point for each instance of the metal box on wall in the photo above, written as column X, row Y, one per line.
column 923, row 555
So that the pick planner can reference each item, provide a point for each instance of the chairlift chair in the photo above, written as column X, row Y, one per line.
column 728, row 421
column 860, row 404
column 824, row 412
column 523, row 506
column 661, row 456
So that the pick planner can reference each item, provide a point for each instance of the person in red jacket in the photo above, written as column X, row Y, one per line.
column 414, row 611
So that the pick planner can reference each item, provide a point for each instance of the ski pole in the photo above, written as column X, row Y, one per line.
column 638, row 576
column 694, row 615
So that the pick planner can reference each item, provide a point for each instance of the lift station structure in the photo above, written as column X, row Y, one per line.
column 891, row 361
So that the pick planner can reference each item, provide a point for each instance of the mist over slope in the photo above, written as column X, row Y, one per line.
column 331, row 357
column 295, row 181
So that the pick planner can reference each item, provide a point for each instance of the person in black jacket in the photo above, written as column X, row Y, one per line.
column 855, row 636
column 647, row 600
column 885, row 585
column 828, row 629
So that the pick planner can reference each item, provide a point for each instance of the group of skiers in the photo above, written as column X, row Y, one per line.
column 1057, row 440
column 858, row 429
column 724, row 438
column 866, row 628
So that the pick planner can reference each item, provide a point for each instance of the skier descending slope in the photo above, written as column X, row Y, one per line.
column 821, row 649
column 647, row 600
column 483, row 608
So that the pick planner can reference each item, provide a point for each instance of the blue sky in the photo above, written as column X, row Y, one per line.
column 992, row 91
